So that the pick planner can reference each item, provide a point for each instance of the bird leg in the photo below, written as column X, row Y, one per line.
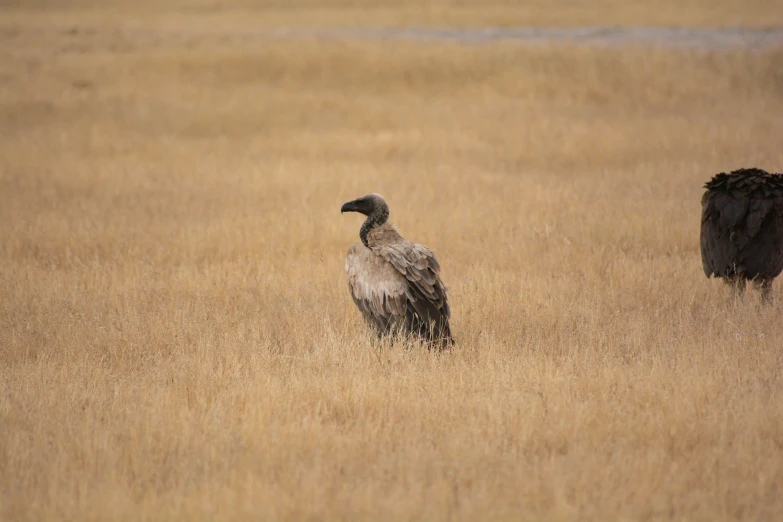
column 737, row 284
column 764, row 286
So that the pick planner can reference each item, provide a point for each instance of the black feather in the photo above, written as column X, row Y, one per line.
column 742, row 225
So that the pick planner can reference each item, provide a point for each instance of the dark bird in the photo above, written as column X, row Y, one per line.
column 742, row 229
column 395, row 283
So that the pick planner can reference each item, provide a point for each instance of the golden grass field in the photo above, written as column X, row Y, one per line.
column 177, row 341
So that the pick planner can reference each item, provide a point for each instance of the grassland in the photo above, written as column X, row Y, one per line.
column 176, row 337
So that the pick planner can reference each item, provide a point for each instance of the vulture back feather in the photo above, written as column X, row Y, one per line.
column 742, row 225
column 395, row 283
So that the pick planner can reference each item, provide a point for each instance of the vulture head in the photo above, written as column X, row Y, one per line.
column 374, row 207
column 366, row 205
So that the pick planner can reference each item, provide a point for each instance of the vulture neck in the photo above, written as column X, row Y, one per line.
column 378, row 217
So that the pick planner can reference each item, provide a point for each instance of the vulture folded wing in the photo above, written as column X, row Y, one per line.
column 732, row 210
column 717, row 251
column 757, row 212
column 377, row 288
column 426, row 293
column 764, row 254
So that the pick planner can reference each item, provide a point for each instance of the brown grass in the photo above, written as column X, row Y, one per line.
column 176, row 337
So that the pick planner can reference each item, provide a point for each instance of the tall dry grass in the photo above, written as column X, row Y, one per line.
column 176, row 337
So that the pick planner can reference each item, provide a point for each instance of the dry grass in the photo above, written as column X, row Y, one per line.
column 176, row 337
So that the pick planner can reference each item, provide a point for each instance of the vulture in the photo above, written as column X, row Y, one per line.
column 395, row 283
column 742, row 229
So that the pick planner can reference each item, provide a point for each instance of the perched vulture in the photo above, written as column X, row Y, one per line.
column 742, row 229
column 395, row 283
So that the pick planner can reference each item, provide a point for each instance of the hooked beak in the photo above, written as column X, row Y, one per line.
column 348, row 207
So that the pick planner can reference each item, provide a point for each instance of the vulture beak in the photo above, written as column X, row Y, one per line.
column 349, row 207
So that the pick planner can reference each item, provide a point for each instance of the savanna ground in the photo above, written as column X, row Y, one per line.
column 176, row 337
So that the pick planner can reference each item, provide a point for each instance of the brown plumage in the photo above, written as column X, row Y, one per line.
column 742, row 228
column 396, row 284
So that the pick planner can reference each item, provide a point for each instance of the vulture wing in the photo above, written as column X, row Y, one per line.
column 719, row 250
column 763, row 254
column 427, row 304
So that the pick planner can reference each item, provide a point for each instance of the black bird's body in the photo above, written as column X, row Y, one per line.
column 742, row 228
